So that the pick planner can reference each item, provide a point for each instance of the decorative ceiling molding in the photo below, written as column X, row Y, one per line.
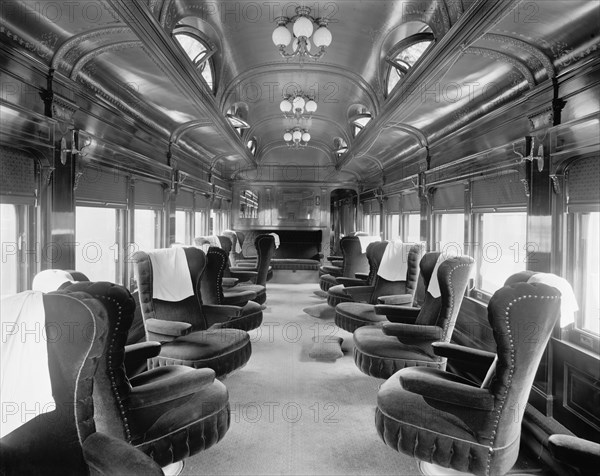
column 534, row 51
column 270, row 69
column 280, row 144
column 279, row 117
column 187, row 126
column 112, row 47
column 504, row 58
column 413, row 131
column 185, row 78
column 472, row 25
column 77, row 41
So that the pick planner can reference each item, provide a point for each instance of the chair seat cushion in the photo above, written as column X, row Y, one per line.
column 222, row 350
column 352, row 315
column 259, row 289
column 326, row 281
column 295, row 264
column 328, row 269
column 403, row 420
column 337, row 295
column 251, row 318
column 190, row 424
column 381, row 356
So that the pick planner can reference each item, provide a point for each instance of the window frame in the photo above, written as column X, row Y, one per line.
column 199, row 62
column 399, row 48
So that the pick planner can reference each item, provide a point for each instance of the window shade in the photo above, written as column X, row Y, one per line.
column 148, row 194
column 583, row 182
column 100, row 185
column 498, row 191
column 449, row 197
column 17, row 175
column 185, row 200
column 411, row 202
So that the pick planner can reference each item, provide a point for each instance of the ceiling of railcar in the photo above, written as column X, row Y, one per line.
column 485, row 54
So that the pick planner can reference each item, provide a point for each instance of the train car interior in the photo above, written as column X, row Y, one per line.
column 333, row 237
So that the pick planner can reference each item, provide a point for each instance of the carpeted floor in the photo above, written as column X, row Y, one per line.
column 293, row 415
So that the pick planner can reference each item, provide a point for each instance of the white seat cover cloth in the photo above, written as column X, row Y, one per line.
column 25, row 387
column 394, row 262
column 171, row 280
column 568, row 301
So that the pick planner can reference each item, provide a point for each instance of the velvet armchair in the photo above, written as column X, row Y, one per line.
column 354, row 261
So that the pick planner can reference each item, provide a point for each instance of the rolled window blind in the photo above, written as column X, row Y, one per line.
column 498, row 191
column 449, row 197
column 148, row 194
column 583, row 182
column 185, row 200
column 411, row 202
column 102, row 185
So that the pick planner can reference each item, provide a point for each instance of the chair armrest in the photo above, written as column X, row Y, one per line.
column 230, row 282
column 360, row 293
column 396, row 300
column 136, row 356
column 351, row 281
column 168, row 328
column 217, row 313
column 361, row 276
column 108, row 455
column 413, row 332
column 246, row 264
column 337, row 263
column 243, row 274
column 445, row 387
column 155, row 386
column 574, row 451
column 403, row 314
column 474, row 357
column 237, row 298
column 335, row 258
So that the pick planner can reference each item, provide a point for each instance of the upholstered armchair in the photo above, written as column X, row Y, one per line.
column 243, row 278
column 262, row 272
column 581, row 455
column 239, row 259
column 168, row 412
column 189, row 329
column 355, row 261
column 362, row 312
column 382, row 351
column 65, row 441
column 337, row 294
column 251, row 314
column 446, row 420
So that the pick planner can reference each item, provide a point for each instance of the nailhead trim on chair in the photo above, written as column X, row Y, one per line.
column 511, row 371
column 380, row 367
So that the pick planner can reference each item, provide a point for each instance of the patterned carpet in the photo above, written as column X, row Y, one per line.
column 294, row 415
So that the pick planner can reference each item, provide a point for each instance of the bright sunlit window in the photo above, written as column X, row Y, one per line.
column 405, row 59
column 146, row 227
column 502, row 248
column 181, row 235
column 10, row 257
column 412, row 233
column 450, row 233
column 97, row 251
column 586, row 282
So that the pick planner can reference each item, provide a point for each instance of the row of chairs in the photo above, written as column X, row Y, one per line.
column 160, row 396
column 439, row 417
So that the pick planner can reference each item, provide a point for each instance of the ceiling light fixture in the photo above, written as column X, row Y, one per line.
column 303, row 28
column 298, row 109
column 296, row 138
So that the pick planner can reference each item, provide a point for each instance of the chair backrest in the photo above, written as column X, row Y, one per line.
column 383, row 287
column 453, row 276
column 522, row 317
column 265, row 249
column 211, row 284
column 374, row 254
column 227, row 245
column 355, row 261
column 76, row 331
column 188, row 310
column 111, row 385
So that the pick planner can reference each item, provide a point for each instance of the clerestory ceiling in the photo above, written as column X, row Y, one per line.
column 485, row 55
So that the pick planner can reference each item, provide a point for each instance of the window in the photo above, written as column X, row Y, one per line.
column 585, row 246
column 181, row 227
column 501, row 248
column 10, row 250
column 375, row 224
column 251, row 144
column 404, row 56
column 412, row 230
column 97, row 233
column 366, row 224
column 198, row 52
column 449, row 232
column 147, row 229
column 394, row 226
column 360, row 121
column 199, row 224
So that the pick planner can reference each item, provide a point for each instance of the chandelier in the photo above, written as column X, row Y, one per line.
column 298, row 109
column 303, row 27
column 296, row 138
